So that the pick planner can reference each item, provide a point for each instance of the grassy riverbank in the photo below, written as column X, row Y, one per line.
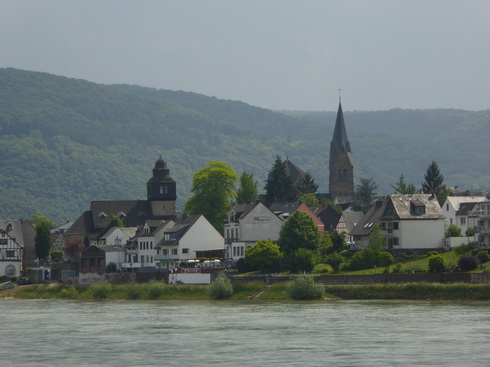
column 251, row 291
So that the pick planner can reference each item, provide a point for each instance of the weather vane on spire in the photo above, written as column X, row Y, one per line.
column 340, row 95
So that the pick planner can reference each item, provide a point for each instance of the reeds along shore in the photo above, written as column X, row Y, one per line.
column 246, row 291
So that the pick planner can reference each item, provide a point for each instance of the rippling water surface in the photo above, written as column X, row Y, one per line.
column 180, row 333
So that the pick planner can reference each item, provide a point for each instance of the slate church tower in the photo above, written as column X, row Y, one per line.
column 341, row 181
column 161, row 190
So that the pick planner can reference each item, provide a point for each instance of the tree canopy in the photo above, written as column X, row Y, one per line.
column 299, row 231
column 248, row 190
column 42, row 241
column 264, row 255
column 364, row 195
column 279, row 185
column 213, row 187
column 434, row 183
column 401, row 187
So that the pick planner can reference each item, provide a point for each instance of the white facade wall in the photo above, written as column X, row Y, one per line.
column 116, row 257
column 201, row 236
column 260, row 224
column 420, row 234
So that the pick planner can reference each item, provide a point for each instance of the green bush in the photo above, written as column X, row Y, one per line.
column 463, row 249
column 453, row 231
column 221, row 287
column 468, row 262
column 365, row 259
column 305, row 288
column 436, row 264
column 335, row 260
column 303, row 260
column 397, row 268
column 69, row 293
column 156, row 289
column 111, row 267
column 100, row 290
column 385, row 259
column 483, row 256
column 56, row 256
column 134, row 290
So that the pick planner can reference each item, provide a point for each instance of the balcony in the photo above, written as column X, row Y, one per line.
column 166, row 257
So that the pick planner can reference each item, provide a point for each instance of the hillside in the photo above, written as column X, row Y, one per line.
column 66, row 142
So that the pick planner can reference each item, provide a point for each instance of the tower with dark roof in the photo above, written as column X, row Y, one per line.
column 161, row 190
column 341, row 181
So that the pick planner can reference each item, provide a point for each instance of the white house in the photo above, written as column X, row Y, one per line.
column 141, row 249
column 481, row 212
column 184, row 239
column 247, row 224
column 406, row 221
column 452, row 205
column 17, row 250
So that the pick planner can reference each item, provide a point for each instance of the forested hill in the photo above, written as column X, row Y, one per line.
column 66, row 142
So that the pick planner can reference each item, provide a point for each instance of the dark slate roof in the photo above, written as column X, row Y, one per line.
column 465, row 208
column 242, row 210
column 351, row 218
column 82, row 226
column 290, row 207
column 297, row 175
column 132, row 212
column 329, row 216
column 339, row 140
column 373, row 216
column 180, row 229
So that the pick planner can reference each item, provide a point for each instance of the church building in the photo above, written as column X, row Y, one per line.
column 341, row 180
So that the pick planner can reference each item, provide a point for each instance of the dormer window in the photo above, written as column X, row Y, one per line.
column 418, row 207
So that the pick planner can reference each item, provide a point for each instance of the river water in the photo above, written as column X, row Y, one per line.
column 213, row 333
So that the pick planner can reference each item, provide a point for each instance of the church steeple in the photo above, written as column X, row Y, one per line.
column 341, row 180
column 161, row 190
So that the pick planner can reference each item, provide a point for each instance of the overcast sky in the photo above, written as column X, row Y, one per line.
column 275, row 54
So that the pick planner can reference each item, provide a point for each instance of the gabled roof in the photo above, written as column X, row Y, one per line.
column 403, row 206
column 372, row 217
column 290, row 207
column 456, row 201
column 180, row 229
column 465, row 208
column 297, row 174
column 329, row 216
column 240, row 211
column 132, row 212
column 351, row 218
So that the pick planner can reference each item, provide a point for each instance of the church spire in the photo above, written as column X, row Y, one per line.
column 341, row 179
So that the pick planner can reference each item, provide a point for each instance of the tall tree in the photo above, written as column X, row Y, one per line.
column 401, row 187
column 213, row 187
column 434, row 183
column 279, row 185
column 38, row 218
column 309, row 199
column 264, row 255
column 364, row 195
column 248, row 190
column 307, row 185
column 299, row 231
column 376, row 241
column 42, row 241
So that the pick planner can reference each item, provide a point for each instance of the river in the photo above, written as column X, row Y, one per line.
column 247, row 333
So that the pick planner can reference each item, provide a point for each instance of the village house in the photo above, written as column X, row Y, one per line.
column 247, row 224
column 406, row 221
column 285, row 210
column 481, row 213
column 17, row 250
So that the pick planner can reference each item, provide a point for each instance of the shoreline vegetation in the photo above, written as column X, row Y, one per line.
column 253, row 291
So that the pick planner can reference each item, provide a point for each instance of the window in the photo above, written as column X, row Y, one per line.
column 419, row 209
column 463, row 220
column 10, row 253
column 447, row 207
column 174, row 251
column 395, row 225
column 185, row 250
column 165, row 251
column 161, row 189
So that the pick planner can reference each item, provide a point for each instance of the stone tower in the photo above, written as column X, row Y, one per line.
column 161, row 190
column 341, row 181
